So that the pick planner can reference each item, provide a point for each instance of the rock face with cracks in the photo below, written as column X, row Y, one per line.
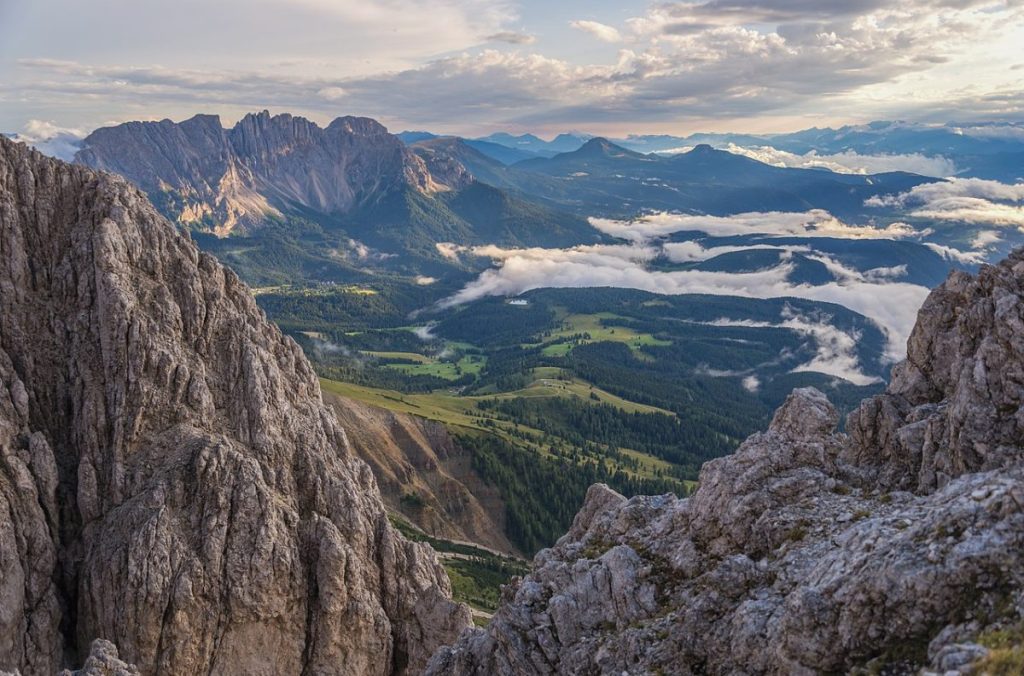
column 170, row 478
column 808, row 550
column 201, row 174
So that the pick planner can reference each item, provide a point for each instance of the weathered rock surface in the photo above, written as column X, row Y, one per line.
column 807, row 551
column 170, row 478
column 103, row 660
column 954, row 405
column 201, row 174
column 424, row 474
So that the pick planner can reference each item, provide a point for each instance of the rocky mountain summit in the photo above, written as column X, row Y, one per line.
column 171, row 481
column 894, row 547
column 201, row 174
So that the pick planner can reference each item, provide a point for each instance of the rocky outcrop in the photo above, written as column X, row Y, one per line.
column 808, row 550
column 453, row 162
column 424, row 474
column 205, row 176
column 170, row 478
column 954, row 405
column 103, row 660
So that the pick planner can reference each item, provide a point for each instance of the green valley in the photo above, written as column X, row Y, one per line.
column 571, row 386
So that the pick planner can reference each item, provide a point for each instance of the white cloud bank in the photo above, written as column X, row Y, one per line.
column 836, row 350
column 1012, row 132
column 814, row 223
column 850, row 162
column 692, row 252
column 951, row 254
column 891, row 305
column 966, row 200
column 466, row 63
column 51, row 139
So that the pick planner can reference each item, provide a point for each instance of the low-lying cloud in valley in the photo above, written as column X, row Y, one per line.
column 966, row 200
column 876, row 294
column 692, row 252
column 850, row 162
column 813, row 223
column 836, row 350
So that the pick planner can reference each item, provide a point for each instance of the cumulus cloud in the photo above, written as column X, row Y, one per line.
column 850, row 162
column 705, row 370
column 973, row 210
column 448, row 250
column 425, row 333
column 364, row 253
column 814, row 223
column 325, row 348
column 678, row 61
column 331, row 93
column 884, row 273
column 965, row 200
column 600, row 31
column 751, row 383
column 836, row 353
column 928, row 193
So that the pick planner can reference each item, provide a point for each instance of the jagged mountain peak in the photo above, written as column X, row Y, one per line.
column 264, row 125
column 170, row 478
column 208, row 177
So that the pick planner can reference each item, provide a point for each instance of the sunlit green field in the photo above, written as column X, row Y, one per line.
column 461, row 412
column 580, row 329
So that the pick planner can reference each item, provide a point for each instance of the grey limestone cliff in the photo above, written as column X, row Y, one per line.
column 203, row 175
column 170, row 478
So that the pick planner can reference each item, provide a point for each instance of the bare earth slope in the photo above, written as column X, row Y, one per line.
column 424, row 474
column 808, row 551
column 170, row 479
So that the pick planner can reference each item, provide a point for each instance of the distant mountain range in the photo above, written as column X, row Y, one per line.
column 301, row 202
column 992, row 151
column 601, row 178
column 498, row 145
column 355, row 188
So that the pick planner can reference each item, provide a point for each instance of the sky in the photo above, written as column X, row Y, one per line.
column 472, row 67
